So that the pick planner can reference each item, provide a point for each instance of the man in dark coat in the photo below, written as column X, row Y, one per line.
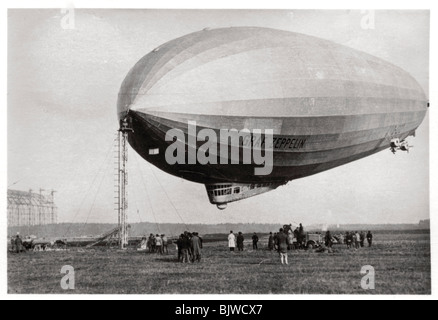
column 362, row 239
column 301, row 236
column 301, row 230
column 154, row 243
column 18, row 244
column 271, row 242
column 276, row 241
column 370, row 238
column 151, row 243
column 185, row 246
column 297, row 237
column 283, row 244
column 350, row 240
column 255, row 241
column 196, row 244
column 240, row 241
column 328, row 240
column 179, row 244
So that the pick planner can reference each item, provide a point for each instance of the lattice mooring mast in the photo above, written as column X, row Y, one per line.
column 123, row 182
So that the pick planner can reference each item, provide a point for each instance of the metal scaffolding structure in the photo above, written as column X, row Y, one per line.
column 26, row 208
column 122, row 183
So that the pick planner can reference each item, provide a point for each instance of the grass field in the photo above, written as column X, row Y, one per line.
column 402, row 265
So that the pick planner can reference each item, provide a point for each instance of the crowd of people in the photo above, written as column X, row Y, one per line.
column 357, row 239
column 189, row 247
column 189, row 244
column 353, row 240
column 17, row 244
column 280, row 241
column 155, row 244
column 296, row 238
column 286, row 240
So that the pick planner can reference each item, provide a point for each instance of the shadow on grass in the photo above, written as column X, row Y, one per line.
column 168, row 259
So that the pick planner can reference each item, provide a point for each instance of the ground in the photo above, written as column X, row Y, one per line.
column 402, row 265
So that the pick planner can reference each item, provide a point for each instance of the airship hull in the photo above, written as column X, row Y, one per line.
column 296, row 154
column 327, row 104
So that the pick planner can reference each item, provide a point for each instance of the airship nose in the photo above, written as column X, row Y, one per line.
column 122, row 111
column 125, row 101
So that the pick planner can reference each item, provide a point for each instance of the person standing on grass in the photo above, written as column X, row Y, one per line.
column 179, row 244
column 143, row 244
column 154, row 243
column 232, row 241
column 283, row 244
column 357, row 240
column 294, row 242
column 159, row 244
column 302, row 237
column 271, row 242
column 362, row 239
column 353, row 239
column 185, row 249
column 290, row 235
column 200, row 239
column 18, row 244
column 370, row 239
column 12, row 244
column 165, row 248
column 255, row 241
column 189, row 237
column 341, row 239
column 149, row 244
column 297, row 237
column 196, row 247
column 240, row 241
column 328, row 240
column 348, row 240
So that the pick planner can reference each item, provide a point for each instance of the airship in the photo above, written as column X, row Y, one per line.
column 326, row 105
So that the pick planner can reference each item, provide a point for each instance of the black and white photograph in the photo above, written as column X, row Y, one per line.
column 206, row 152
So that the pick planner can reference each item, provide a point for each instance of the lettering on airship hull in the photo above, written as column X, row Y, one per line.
column 289, row 143
column 279, row 143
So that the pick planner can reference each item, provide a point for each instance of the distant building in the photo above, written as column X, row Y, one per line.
column 26, row 208
column 425, row 224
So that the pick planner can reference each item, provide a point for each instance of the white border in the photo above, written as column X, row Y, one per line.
column 223, row 4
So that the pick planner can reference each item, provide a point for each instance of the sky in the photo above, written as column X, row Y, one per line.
column 62, row 94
